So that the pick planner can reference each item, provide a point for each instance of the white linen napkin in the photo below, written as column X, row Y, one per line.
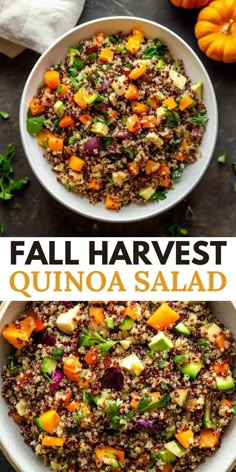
column 35, row 24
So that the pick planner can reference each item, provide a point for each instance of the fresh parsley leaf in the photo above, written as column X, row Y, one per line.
column 129, row 152
column 146, row 404
column 57, row 353
column 175, row 143
column 93, row 339
column 158, row 49
column 89, row 398
column 200, row 118
column 160, row 194
column 79, row 415
column 4, row 114
column 2, row 229
column 150, row 354
column 178, row 230
column 78, row 64
column 8, row 186
column 112, row 409
column 113, row 40
column 173, row 119
column 222, row 158
column 179, row 359
column 162, row 364
column 177, row 173
column 59, row 89
column 92, row 56
column 35, row 124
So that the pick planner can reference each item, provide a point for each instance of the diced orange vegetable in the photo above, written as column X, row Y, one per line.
column 75, row 163
column 79, row 99
column 72, row 368
column 151, row 166
column 66, row 121
column 97, row 314
column 39, row 324
column 164, row 170
column 154, row 103
column 180, row 156
column 220, row 341
column 67, row 398
column 165, row 181
column 43, row 136
column 185, row 438
column 138, row 107
column 106, row 55
column 91, row 357
column 226, row 402
column 209, row 438
column 63, row 90
column 133, row 123
column 131, row 312
column 82, row 382
column 52, row 441
column 132, row 92
column 149, row 121
column 93, row 184
column 49, row 421
column 36, row 107
column 71, row 99
column 111, row 204
column 163, row 317
column 85, row 119
column 133, row 44
column 138, row 71
column 99, row 39
column 220, row 368
column 134, row 402
column 73, row 406
column 185, row 102
column 170, row 103
column 191, row 404
column 52, row 78
column 133, row 168
column 112, row 114
column 155, row 396
column 47, row 89
column 17, row 418
column 102, row 453
column 138, row 34
column 18, row 334
column 184, row 146
column 55, row 143
column 167, row 468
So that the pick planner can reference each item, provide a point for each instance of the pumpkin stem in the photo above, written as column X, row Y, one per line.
column 228, row 29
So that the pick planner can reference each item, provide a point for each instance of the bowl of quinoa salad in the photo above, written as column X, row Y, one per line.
column 113, row 114
column 128, row 386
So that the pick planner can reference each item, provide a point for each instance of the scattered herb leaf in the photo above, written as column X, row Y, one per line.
column 146, row 404
column 4, row 114
column 177, row 173
column 2, row 229
column 200, row 118
column 178, row 230
column 35, row 124
column 222, row 158
column 179, row 359
column 8, row 186
column 160, row 194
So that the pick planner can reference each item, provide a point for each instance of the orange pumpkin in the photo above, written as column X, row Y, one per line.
column 188, row 4
column 216, row 30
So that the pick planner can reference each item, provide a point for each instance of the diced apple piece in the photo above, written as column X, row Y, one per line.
column 133, row 364
column 68, row 321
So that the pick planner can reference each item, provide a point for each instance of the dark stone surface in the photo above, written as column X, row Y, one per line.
column 213, row 201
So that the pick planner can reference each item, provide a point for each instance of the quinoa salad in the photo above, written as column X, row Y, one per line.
column 127, row 386
column 119, row 119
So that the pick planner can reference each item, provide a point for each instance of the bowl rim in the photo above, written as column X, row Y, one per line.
column 151, row 211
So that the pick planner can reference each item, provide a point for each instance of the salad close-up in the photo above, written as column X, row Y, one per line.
column 133, row 386
column 118, row 119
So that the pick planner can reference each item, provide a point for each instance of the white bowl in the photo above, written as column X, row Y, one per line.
column 195, row 70
column 22, row 457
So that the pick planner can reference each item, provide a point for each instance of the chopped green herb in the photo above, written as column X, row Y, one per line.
column 2, row 229
column 89, row 398
column 9, row 186
column 93, row 339
column 113, row 40
column 78, row 64
column 158, row 49
column 112, row 410
column 92, row 56
column 178, row 230
column 200, row 118
column 146, row 404
column 108, row 142
column 79, row 415
column 57, row 353
column 150, row 354
column 202, row 342
column 234, row 166
column 35, row 124
column 122, row 50
column 59, row 89
column 160, row 194
column 162, row 364
column 177, row 66
column 177, row 173
column 73, row 139
column 222, row 158
column 129, row 152
column 179, row 359
column 4, row 114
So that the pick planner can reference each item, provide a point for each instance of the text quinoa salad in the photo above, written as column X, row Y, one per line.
column 125, row 386
column 119, row 119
